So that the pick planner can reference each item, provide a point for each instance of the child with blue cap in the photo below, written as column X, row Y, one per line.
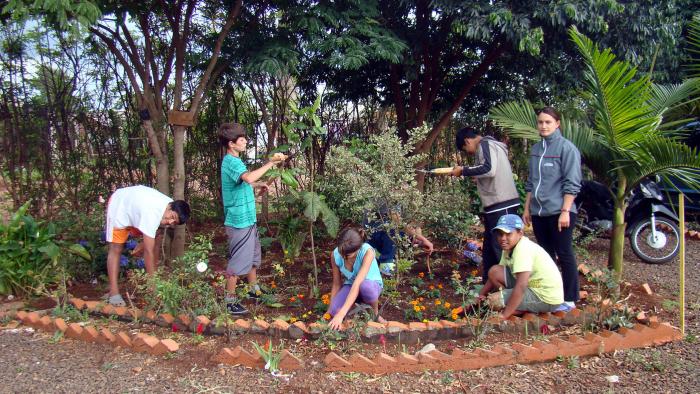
column 526, row 279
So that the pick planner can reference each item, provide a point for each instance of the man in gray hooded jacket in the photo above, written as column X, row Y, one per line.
column 494, row 182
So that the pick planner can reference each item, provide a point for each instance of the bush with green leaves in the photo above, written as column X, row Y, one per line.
column 183, row 289
column 32, row 256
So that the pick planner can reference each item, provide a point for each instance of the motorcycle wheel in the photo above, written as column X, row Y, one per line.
column 655, row 251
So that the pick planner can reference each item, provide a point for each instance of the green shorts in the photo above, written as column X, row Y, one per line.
column 530, row 302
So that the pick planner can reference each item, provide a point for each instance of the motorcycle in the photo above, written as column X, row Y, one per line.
column 652, row 228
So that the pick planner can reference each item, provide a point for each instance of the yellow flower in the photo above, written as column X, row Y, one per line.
column 447, row 305
column 425, row 320
column 416, row 308
column 414, row 302
column 438, row 302
column 327, row 316
column 454, row 316
column 293, row 319
column 286, row 251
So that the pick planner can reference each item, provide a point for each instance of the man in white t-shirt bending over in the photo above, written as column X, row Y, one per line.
column 137, row 210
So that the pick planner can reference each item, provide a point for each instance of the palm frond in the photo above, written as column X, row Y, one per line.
column 666, row 98
column 621, row 116
column 694, row 46
column 665, row 157
column 518, row 118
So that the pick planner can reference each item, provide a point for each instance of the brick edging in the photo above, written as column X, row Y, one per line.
column 517, row 353
column 138, row 342
column 590, row 344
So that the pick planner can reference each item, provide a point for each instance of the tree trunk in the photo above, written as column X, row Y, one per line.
column 617, row 240
column 161, row 157
column 177, row 247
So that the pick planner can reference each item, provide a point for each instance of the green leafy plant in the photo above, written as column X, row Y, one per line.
column 32, row 256
column 184, row 289
column 271, row 354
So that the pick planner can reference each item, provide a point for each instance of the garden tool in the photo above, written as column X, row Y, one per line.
column 437, row 171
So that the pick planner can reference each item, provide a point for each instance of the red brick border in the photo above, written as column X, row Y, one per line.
column 590, row 344
column 139, row 342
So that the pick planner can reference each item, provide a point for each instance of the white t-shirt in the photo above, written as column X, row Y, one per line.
column 136, row 206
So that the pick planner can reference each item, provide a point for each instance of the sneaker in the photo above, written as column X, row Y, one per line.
column 116, row 300
column 236, row 309
column 565, row 306
column 387, row 269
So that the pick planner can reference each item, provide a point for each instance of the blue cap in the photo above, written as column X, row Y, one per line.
column 508, row 223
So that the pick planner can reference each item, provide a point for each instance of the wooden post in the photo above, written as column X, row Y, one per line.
column 681, row 301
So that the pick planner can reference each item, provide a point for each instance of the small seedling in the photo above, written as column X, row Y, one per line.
column 57, row 336
column 572, row 362
column 271, row 355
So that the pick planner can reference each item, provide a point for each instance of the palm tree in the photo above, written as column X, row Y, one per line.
column 627, row 135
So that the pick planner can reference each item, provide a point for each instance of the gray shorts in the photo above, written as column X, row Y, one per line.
column 530, row 303
column 243, row 250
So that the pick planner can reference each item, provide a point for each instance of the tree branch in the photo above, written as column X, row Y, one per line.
column 234, row 11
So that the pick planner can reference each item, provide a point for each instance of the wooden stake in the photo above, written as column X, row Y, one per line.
column 681, row 302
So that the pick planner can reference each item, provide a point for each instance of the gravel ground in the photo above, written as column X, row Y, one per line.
column 31, row 363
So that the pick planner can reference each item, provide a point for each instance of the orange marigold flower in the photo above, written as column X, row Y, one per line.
column 431, row 287
column 440, row 286
column 447, row 305
column 454, row 317
column 475, row 272
column 422, row 307
column 414, row 302
column 438, row 302
column 327, row 316
column 301, row 296
column 416, row 308
column 421, row 274
column 292, row 299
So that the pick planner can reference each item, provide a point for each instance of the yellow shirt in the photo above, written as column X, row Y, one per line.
column 545, row 279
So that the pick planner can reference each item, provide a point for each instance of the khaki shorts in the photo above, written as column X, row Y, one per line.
column 530, row 302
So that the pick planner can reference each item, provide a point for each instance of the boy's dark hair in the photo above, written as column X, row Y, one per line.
column 549, row 111
column 230, row 132
column 350, row 240
column 464, row 133
column 182, row 209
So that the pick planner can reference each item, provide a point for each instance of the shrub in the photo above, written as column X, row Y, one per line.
column 31, row 255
